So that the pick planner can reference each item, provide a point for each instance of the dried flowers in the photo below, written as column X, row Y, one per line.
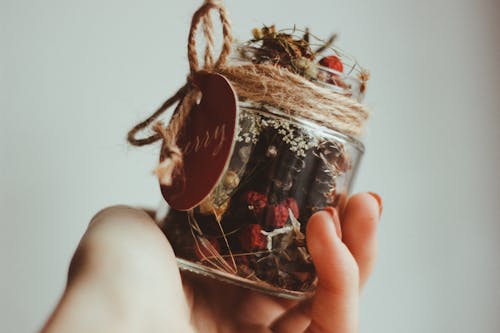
column 293, row 49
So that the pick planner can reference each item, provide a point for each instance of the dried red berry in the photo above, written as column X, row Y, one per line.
column 276, row 215
column 292, row 204
column 256, row 201
column 251, row 238
column 332, row 62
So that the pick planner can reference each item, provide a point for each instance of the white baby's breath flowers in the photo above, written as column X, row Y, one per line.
column 299, row 140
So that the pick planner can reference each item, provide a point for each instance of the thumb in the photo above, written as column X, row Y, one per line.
column 335, row 304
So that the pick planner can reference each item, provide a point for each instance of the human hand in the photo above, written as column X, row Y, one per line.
column 124, row 278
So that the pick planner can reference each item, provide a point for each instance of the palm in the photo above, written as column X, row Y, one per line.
column 214, row 305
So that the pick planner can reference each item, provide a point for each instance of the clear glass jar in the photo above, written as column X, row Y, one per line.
column 251, row 229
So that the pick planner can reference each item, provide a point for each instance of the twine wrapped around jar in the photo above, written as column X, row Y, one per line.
column 261, row 83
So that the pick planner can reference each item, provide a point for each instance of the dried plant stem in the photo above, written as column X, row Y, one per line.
column 203, row 246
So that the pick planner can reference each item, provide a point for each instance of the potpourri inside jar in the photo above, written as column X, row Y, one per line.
column 252, row 225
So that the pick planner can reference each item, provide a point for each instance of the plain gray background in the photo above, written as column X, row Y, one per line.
column 76, row 75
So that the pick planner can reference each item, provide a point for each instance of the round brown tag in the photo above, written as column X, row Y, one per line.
column 206, row 141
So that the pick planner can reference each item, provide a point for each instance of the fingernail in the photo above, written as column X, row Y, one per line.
column 335, row 218
column 379, row 200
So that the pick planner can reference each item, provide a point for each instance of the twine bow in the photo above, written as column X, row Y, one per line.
column 188, row 95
